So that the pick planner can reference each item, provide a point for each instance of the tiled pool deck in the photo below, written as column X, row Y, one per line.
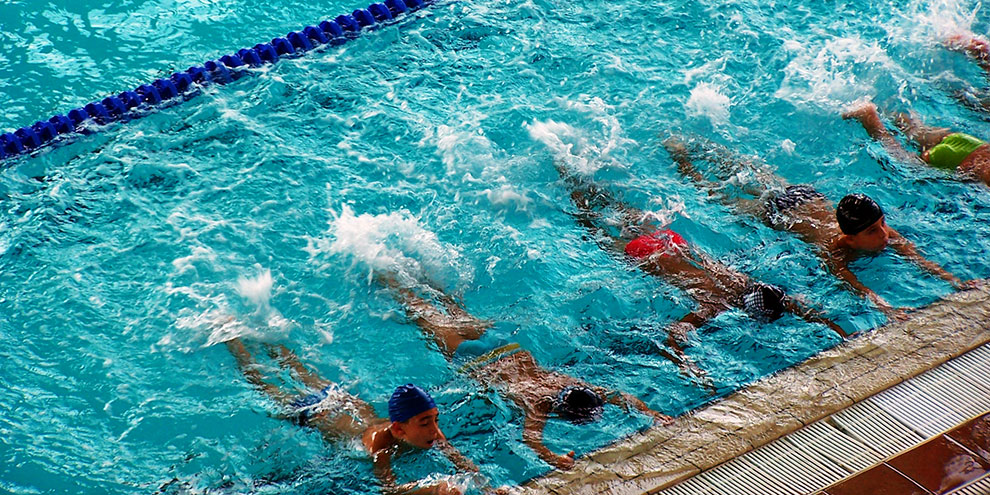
column 737, row 441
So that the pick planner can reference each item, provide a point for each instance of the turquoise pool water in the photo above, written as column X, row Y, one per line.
column 426, row 148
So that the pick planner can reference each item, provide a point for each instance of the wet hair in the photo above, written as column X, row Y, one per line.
column 579, row 405
column 856, row 212
column 407, row 401
column 764, row 301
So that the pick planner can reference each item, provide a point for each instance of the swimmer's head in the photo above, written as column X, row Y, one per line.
column 764, row 302
column 414, row 416
column 862, row 221
column 579, row 405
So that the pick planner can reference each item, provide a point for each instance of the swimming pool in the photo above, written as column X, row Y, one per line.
column 428, row 147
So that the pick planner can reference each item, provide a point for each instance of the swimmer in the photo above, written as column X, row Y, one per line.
column 338, row 415
column 715, row 288
column 840, row 234
column 504, row 366
column 941, row 148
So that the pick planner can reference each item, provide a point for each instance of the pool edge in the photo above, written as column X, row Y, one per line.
column 781, row 403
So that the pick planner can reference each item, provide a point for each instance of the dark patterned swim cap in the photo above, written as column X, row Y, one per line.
column 764, row 301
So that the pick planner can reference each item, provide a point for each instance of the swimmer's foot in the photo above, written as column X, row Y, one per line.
column 386, row 279
column 862, row 111
column 971, row 44
column 677, row 148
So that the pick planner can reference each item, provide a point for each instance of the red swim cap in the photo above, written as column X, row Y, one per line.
column 665, row 241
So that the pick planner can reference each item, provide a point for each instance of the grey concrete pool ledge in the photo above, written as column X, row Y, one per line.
column 775, row 406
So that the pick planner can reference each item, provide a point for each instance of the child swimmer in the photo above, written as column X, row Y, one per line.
column 412, row 422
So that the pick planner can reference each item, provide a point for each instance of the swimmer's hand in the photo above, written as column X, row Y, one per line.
column 661, row 418
column 898, row 314
column 895, row 314
column 970, row 284
column 444, row 488
column 565, row 462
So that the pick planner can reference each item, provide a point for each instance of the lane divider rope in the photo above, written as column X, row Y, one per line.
column 182, row 86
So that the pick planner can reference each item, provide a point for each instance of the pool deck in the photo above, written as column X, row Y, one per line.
column 658, row 459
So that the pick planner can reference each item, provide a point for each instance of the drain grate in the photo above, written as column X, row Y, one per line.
column 875, row 427
column 917, row 409
column 979, row 487
column 857, row 437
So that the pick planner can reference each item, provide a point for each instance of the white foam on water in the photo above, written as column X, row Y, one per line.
column 257, row 289
column 832, row 72
column 934, row 21
column 612, row 134
column 508, row 196
column 394, row 243
column 568, row 146
column 708, row 100
column 215, row 318
column 464, row 148
column 582, row 150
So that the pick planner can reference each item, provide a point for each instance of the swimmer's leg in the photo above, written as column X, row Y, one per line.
column 249, row 367
column 446, row 330
column 926, row 136
column 289, row 358
column 869, row 117
column 727, row 165
column 343, row 424
column 975, row 46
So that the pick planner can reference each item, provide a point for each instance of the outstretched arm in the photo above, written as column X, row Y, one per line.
column 839, row 266
column 533, row 437
column 679, row 152
column 247, row 365
column 908, row 250
column 623, row 400
column 383, row 470
column 796, row 306
column 868, row 116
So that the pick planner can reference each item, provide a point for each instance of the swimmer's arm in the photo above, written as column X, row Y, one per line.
column 907, row 249
column 839, row 266
column 463, row 464
column 811, row 316
column 533, row 437
column 383, row 470
column 623, row 400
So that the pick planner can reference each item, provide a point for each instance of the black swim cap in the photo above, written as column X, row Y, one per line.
column 856, row 212
column 579, row 405
column 764, row 301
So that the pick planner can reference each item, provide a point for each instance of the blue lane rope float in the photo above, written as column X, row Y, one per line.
column 130, row 105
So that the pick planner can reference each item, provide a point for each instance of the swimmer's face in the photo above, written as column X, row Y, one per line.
column 873, row 238
column 421, row 430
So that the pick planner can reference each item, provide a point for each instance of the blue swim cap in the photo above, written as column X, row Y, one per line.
column 407, row 401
